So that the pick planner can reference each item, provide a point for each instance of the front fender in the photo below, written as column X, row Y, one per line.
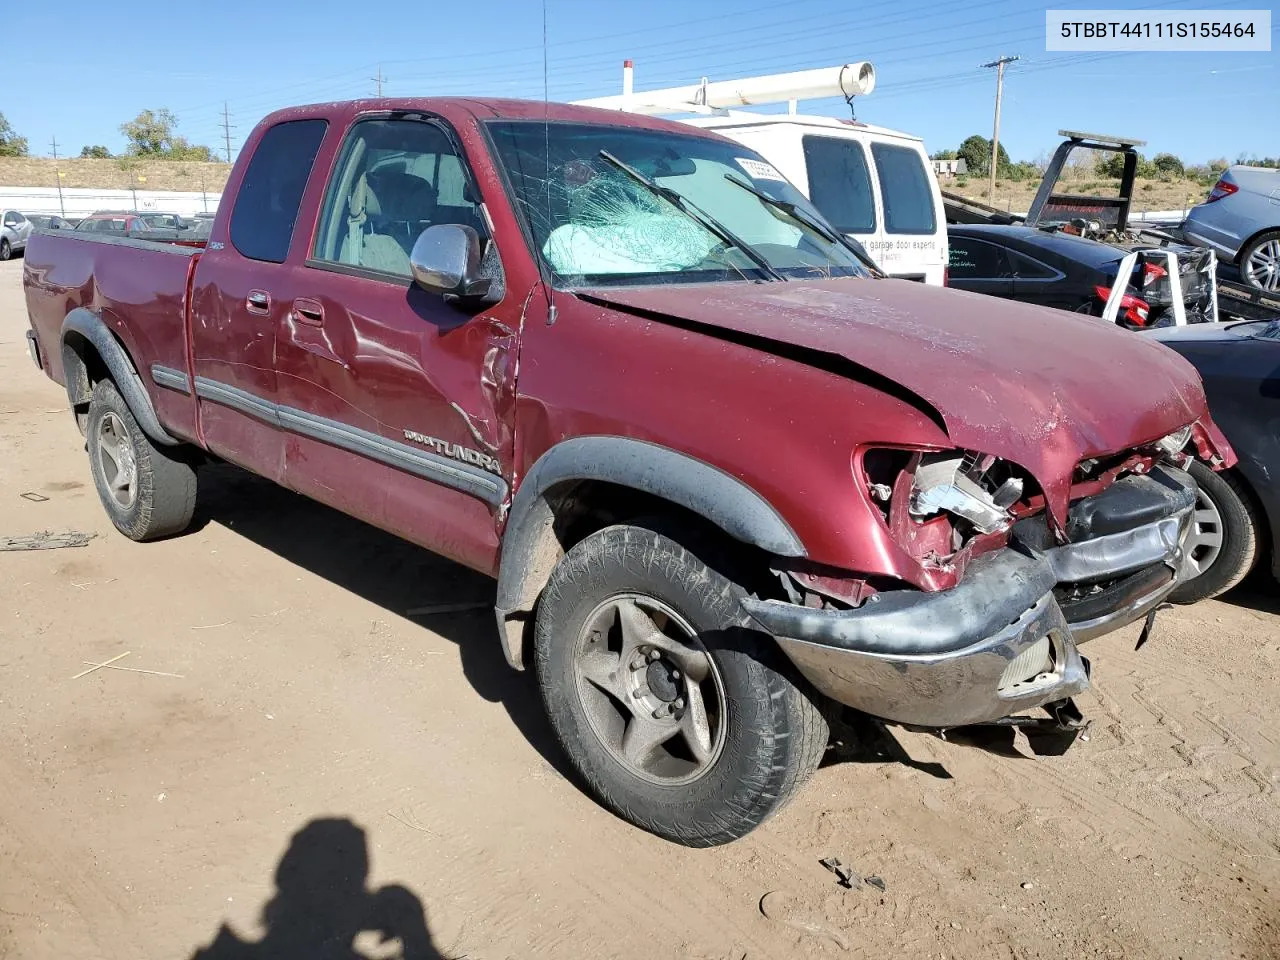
column 82, row 329
column 530, row 549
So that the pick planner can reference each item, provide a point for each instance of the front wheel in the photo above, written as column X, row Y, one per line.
column 1223, row 542
column 679, row 718
column 147, row 491
column 6, row 251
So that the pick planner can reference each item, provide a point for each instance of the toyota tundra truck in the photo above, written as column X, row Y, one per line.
column 726, row 474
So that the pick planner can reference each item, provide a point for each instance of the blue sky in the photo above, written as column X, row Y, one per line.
column 111, row 61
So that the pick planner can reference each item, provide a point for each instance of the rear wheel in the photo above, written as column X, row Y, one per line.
column 1223, row 542
column 147, row 491
column 678, row 717
column 1260, row 262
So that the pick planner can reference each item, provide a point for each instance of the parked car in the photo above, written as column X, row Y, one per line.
column 1241, row 221
column 1052, row 268
column 164, row 221
column 121, row 223
column 14, row 231
column 1237, row 522
column 724, row 474
column 45, row 221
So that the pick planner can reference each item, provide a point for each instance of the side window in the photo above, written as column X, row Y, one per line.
column 905, row 189
column 1024, row 268
column 267, row 201
column 10, row 219
column 839, row 183
column 395, row 178
column 976, row 260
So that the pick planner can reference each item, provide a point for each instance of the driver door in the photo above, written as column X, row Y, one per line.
column 396, row 404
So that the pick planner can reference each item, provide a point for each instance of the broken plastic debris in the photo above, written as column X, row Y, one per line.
column 46, row 541
column 846, row 877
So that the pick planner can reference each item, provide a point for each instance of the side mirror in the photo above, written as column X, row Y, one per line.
column 446, row 260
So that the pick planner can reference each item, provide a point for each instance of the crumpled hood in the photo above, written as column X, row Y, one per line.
column 1040, row 387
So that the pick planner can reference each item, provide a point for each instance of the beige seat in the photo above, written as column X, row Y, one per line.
column 364, row 248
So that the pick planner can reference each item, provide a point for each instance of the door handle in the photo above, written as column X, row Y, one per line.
column 308, row 311
column 258, row 301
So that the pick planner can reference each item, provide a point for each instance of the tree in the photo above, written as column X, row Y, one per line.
column 943, row 155
column 11, row 145
column 96, row 152
column 1111, row 164
column 976, row 154
column 1168, row 165
column 150, row 134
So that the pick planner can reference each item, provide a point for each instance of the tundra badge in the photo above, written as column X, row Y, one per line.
column 456, row 451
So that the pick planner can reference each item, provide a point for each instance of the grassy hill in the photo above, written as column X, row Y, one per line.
column 120, row 173
column 1148, row 194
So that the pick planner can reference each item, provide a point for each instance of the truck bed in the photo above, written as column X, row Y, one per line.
column 112, row 277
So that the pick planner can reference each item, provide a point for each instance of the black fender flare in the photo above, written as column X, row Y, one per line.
column 84, row 324
column 529, row 546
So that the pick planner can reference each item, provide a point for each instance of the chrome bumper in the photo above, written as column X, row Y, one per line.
column 1002, row 641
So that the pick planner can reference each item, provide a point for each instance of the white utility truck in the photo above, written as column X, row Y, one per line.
column 872, row 183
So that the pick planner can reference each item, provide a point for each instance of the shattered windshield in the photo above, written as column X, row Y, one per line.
column 594, row 223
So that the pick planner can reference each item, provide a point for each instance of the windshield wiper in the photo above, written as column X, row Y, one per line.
column 804, row 221
column 694, row 213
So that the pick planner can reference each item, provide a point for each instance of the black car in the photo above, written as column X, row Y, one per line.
column 46, row 221
column 1237, row 520
column 1047, row 267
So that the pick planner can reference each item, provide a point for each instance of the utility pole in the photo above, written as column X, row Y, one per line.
column 226, row 129
column 57, row 176
column 995, row 135
column 379, row 80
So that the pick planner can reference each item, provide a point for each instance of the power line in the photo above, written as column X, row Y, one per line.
column 57, row 176
column 995, row 135
column 226, row 129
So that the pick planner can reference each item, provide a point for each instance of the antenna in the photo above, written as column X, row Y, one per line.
column 546, row 140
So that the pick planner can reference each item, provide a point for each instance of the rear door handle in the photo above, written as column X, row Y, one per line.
column 308, row 311
column 258, row 301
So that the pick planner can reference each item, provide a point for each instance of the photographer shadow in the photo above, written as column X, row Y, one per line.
column 323, row 905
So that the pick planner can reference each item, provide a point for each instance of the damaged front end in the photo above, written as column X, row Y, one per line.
column 1009, row 591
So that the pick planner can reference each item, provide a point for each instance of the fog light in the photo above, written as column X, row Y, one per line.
column 1028, row 667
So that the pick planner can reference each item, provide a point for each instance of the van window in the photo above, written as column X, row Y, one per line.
column 268, row 199
column 839, row 184
column 904, row 190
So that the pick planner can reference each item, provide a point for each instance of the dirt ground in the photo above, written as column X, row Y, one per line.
column 326, row 764
column 118, row 173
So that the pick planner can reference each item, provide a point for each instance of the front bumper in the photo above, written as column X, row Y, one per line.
column 1004, row 639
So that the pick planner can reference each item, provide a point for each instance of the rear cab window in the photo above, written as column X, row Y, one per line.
column 904, row 190
column 267, row 202
column 840, row 183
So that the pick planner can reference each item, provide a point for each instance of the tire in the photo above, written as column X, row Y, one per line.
column 1255, row 274
column 6, row 251
column 761, row 735
column 1225, row 539
column 146, row 491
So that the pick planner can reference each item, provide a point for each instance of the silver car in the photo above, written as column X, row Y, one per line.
column 14, row 230
column 1241, row 221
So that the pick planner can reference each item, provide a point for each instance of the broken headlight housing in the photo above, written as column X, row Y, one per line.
column 1173, row 444
column 962, row 485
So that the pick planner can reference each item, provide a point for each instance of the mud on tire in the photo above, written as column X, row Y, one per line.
column 623, row 611
column 147, row 491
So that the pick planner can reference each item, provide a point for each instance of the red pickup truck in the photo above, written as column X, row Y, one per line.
column 725, row 474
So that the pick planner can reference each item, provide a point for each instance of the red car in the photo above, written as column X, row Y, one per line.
column 724, row 473
column 120, row 222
